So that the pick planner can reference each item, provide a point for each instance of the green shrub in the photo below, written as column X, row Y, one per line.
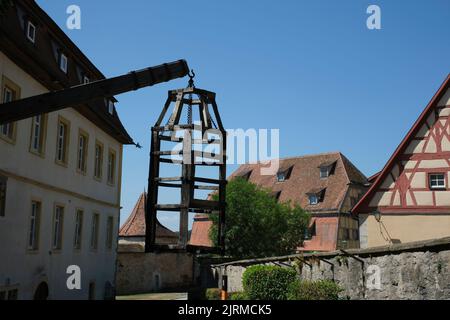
column 212, row 294
column 318, row 290
column 237, row 296
column 267, row 282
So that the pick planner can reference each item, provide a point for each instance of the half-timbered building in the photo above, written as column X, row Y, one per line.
column 409, row 199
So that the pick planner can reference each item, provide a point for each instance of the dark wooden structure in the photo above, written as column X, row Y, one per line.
column 188, row 154
column 85, row 93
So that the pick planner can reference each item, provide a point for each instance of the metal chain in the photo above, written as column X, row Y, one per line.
column 190, row 85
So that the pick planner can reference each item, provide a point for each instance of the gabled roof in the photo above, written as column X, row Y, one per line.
column 363, row 204
column 135, row 224
column 305, row 176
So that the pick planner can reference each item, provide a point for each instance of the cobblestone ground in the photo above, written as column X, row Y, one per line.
column 155, row 296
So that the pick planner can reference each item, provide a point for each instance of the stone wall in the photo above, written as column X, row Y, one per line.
column 139, row 272
column 419, row 270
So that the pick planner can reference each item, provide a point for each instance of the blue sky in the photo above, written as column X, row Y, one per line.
column 309, row 68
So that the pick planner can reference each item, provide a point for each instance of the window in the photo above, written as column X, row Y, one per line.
column 316, row 196
column 284, row 175
column 33, row 235
column 78, row 229
column 11, row 294
column 310, row 231
column 109, row 232
column 94, row 231
column 3, row 181
column 324, row 172
column 86, row 80
column 82, row 152
column 327, row 169
column 92, row 290
column 437, row 181
column 313, row 199
column 38, row 128
column 31, row 32
column 111, row 107
column 10, row 92
column 98, row 160
column 111, row 166
column 281, row 177
column 62, row 141
column 58, row 221
column 63, row 62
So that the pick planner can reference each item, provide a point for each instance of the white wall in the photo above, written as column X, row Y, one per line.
column 33, row 177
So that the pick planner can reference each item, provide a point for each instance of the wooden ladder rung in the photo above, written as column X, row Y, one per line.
column 168, row 179
column 204, row 204
column 169, row 207
column 167, row 153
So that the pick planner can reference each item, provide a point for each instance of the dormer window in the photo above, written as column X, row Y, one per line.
column 284, row 175
column 277, row 195
column 246, row 175
column 63, row 62
column 31, row 32
column 316, row 196
column 327, row 169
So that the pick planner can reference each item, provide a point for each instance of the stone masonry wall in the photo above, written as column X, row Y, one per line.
column 139, row 272
column 418, row 271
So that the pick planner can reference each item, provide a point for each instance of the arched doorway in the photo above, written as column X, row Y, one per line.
column 41, row 292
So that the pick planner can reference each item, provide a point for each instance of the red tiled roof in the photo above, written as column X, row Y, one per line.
column 200, row 231
column 304, row 178
column 135, row 224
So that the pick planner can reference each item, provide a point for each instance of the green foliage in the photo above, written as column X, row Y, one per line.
column 257, row 225
column 318, row 290
column 267, row 282
column 235, row 296
column 212, row 294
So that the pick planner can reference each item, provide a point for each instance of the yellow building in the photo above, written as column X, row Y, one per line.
column 410, row 198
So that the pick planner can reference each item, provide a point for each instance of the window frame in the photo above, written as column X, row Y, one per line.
column 33, row 39
column 60, row 232
column 3, row 185
column 310, row 196
column 84, row 157
column 64, row 162
column 15, row 90
column 93, row 244
column 42, row 137
column 109, row 232
column 78, row 232
column 34, row 226
column 63, row 67
column 111, row 179
column 437, row 187
column 98, row 167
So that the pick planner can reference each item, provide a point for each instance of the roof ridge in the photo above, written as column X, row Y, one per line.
column 292, row 158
